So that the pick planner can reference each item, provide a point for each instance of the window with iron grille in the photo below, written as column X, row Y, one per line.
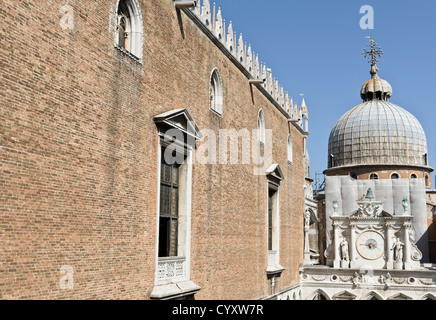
column 271, row 193
column 169, row 208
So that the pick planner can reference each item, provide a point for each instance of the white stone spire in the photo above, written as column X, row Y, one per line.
column 249, row 60
column 230, row 42
column 197, row 9
column 282, row 97
column 264, row 76
column 219, row 32
column 269, row 84
column 240, row 55
column 256, row 70
column 287, row 104
column 246, row 56
column 276, row 89
column 206, row 16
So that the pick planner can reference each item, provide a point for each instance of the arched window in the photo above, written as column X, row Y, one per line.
column 129, row 33
column 413, row 176
column 216, row 92
column 427, row 181
column 373, row 176
column 289, row 149
column 261, row 127
column 395, row 176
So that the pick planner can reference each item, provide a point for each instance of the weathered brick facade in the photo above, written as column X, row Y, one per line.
column 79, row 164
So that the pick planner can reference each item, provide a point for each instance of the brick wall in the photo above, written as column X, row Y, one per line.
column 78, row 158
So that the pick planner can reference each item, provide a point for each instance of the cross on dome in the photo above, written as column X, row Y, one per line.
column 373, row 53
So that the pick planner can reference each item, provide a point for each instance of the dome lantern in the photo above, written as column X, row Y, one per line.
column 375, row 88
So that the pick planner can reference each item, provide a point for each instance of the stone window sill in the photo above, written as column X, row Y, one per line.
column 174, row 290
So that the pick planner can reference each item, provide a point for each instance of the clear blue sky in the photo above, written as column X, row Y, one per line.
column 314, row 47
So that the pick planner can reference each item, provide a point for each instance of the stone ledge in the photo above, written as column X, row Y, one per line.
column 174, row 290
column 274, row 270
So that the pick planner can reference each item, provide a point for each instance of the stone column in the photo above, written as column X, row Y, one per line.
column 337, row 261
column 407, row 251
column 390, row 252
column 352, row 246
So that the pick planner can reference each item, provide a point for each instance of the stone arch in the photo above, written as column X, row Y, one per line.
column 395, row 175
column 427, row 180
column 319, row 295
column 216, row 96
column 344, row 295
column 399, row 296
column 428, row 296
column 129, row 28
column 373, row 295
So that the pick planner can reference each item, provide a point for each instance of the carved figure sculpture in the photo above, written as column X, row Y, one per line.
column 405, row 204
column 344, row 249
column 398, row 250
column 306, row 219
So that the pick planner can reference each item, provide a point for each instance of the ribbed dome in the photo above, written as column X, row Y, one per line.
column 376, row 87
column 377, row 132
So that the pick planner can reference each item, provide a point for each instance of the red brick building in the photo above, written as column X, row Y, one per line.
column 90, row 206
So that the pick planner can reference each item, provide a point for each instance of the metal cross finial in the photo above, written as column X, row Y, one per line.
column 372, row 54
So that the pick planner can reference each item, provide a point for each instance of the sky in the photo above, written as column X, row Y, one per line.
column 314, row 47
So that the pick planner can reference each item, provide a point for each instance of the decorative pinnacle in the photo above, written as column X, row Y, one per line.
column 373, row 53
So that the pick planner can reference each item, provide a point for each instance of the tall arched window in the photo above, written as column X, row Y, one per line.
column 129, row 32
column 261, row 127
column 427, row 181
column 216, row 92
column 289, row 149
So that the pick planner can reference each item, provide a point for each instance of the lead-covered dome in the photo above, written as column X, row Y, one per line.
column 375, row 88
column 377, row 132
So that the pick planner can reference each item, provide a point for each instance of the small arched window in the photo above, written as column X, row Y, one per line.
column 261, row 127
column 129, row 31
column 413, row 176
column 427, row 181
column 216, row 92
column 373, row 176
column 289, row 149
column 395, row 176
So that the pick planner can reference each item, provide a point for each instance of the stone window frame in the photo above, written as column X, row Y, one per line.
column 216, row 95
column 261, row 127
column 274, row 176
column 177, row 131
column 393, row 175
column 427, row 180
column 290, row 149
column 131, row 12
column 172, row 213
